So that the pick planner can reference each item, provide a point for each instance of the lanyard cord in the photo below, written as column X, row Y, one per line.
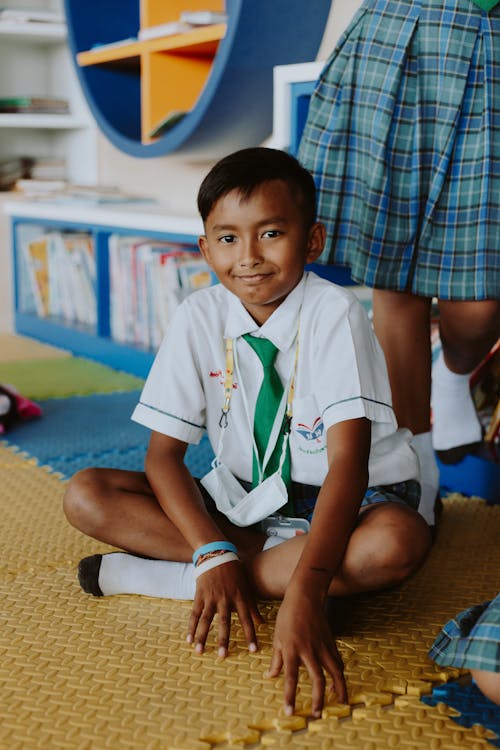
column 231, row 368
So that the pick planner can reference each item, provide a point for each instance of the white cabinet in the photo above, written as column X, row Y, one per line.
column 35, row 61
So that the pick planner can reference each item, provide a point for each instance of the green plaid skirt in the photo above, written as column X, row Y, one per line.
column 471, row 640
column 403, row 140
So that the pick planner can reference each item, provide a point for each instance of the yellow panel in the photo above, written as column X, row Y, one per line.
column 171, row 83
column 16, row 348
column 116, row 672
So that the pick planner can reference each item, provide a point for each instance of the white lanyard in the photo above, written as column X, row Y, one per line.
column 285, row 405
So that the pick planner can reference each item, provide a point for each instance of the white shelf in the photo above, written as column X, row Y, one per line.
column 46, row 33
column 41, row 121
column 35, row 61
column 145, row 218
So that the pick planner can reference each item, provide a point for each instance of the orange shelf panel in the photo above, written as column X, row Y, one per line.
column 202, row 41
column 170, row 83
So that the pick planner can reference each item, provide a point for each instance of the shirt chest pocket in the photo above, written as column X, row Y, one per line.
column 308, row 441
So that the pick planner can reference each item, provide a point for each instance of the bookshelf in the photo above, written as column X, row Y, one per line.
column 35, row 61
column 213, row 82
column 29, row 220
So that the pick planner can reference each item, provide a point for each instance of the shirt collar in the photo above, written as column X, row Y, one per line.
column 280, row 328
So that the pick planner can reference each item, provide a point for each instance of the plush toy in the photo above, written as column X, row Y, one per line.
column 14, row 407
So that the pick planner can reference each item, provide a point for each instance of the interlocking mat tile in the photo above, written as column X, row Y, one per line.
column 95, row 430
column 67, row 376
column 16, row 348
column 81, row 673
column 473, row 706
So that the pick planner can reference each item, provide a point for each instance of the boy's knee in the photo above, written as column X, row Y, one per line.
column 395, row 547
column 81, row 504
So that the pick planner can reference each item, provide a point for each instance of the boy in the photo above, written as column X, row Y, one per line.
column 312, row 456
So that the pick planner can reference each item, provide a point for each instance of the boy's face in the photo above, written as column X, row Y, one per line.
column 258, row 247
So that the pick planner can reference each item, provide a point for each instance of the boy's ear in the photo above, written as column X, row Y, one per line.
column 204, row 249
column 315, row 241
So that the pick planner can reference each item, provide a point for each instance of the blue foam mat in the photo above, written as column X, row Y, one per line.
column 474, row 707
column 95, row 430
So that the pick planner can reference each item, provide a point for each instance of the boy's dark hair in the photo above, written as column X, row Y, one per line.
column 249, row 168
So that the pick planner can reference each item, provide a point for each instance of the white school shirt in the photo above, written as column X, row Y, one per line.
column 341, row 374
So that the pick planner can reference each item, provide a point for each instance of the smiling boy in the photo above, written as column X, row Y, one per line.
column 308, row 433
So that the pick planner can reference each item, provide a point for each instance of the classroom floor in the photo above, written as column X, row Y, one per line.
column 82, row 673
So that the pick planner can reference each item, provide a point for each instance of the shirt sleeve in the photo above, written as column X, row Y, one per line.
column 172, row 401
column 352, row 381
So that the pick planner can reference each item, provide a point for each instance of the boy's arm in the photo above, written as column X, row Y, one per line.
column 222, row 589
column 302, row 633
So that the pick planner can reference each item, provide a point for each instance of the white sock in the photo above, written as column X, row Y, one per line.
column 121, row 573
column 454, row 417
column 429, row 475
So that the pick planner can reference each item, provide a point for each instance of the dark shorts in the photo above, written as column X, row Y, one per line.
column 305, row 495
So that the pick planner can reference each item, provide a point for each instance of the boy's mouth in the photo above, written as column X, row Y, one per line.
column 253, row 278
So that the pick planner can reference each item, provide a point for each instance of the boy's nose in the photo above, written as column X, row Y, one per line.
column 250, row 254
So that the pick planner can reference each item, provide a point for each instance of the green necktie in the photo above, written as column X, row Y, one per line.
column 486, row 4
column 266, row 407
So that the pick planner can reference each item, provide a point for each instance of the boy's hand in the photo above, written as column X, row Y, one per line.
column 220, row 591
column 303, row 636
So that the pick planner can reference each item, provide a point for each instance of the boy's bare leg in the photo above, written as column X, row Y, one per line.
column 118, row 507
column 388, row 544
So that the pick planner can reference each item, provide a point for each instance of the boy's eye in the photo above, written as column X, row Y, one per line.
column 227, row 239
column 272, row 233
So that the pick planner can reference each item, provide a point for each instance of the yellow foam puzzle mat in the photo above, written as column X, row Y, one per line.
column 18, row 348
column 85, row 673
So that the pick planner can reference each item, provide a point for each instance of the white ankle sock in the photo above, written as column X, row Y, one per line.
column 429, row 475
column 121, row 573
column 454, row 417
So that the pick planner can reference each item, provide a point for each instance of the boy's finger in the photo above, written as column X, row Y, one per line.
column 202, row 628
column 276, row 664
column 193, row 623
column 318, row 685
column 335, row 668
column 291, row 680
column 246, row 616
column 224, row 618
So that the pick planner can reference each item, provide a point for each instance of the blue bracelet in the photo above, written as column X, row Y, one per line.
column 213, row 547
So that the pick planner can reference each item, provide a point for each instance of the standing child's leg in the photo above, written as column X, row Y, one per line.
column 468, row 330
column 402, row 325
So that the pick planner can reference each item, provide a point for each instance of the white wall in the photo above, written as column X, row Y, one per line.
column 173, row 180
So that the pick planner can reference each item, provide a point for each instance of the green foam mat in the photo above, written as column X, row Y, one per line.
column 57, row 378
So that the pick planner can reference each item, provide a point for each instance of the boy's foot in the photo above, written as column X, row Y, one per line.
column 88, row 574
column 456, row 428
column 122, row 573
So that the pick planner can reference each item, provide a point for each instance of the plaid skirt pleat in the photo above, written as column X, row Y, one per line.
column 471, row 640
column 403, row 140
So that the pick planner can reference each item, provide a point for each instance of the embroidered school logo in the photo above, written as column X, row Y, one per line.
column 311, row 433
column 219, row 374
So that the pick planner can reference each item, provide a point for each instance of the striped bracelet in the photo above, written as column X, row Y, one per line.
column 213, row 547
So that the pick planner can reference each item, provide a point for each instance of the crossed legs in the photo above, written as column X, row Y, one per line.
column 118, row 507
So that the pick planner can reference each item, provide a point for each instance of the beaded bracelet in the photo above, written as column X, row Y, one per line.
column 214, row 562
column 213, row 547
